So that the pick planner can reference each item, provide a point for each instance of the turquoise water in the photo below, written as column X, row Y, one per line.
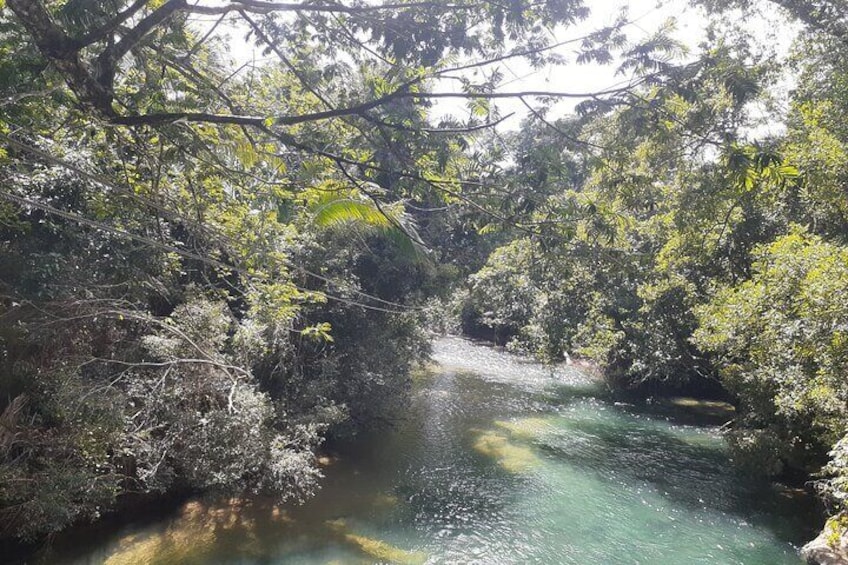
column 498, row 461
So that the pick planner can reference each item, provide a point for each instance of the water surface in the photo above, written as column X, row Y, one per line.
column 498, row 461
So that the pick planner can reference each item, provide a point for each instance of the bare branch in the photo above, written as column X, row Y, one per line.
column 174, row 117
column 358, row 109
column 15, row 98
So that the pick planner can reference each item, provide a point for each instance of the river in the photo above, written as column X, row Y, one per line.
column 500, row 460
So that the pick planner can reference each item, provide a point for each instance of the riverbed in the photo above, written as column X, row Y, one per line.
column 499, row 460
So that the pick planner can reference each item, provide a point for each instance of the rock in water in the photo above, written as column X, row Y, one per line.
column 821, row 552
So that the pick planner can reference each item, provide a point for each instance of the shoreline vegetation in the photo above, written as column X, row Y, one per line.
column 210, row 268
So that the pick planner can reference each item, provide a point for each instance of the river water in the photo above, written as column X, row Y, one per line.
column 500, row 460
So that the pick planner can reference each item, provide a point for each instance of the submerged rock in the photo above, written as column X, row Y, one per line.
column 710, row 408
column 526, row 428
column 325, row 460
column 201, row 532
column 513, row 458
column 376, row 549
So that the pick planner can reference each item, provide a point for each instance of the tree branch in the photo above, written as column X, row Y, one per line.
column 821, row 16
column 357, row 109
column 104, row 71
column 260, row 7
column 63, row 52
column 104, row 31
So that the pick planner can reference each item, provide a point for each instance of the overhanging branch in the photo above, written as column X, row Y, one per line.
column 357, row 109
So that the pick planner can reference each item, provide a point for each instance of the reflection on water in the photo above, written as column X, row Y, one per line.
column 500, row 460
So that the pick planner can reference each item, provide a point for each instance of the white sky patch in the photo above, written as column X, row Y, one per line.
column 769, row 29
column 647, row 17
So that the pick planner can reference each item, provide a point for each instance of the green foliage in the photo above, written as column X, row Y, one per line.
column 628, row 239
column 194, row 305
column 782, row 346
column 834, row 484
column 505, row 288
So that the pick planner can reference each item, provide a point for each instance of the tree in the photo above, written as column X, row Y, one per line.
column 207, row 263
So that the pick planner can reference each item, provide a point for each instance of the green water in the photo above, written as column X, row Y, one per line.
column 499, row 461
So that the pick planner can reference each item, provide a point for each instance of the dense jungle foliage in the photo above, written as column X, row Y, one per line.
column 210, row 267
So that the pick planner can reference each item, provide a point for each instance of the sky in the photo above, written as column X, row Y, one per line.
column 647, row 16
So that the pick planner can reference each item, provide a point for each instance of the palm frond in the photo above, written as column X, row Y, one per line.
column 335, row 209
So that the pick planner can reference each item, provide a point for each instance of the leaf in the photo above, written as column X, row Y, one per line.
column 479, row 107
column 318, row 332
column 346, row 210
column 789, row 171
column 246, row 154
column 389, row 220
